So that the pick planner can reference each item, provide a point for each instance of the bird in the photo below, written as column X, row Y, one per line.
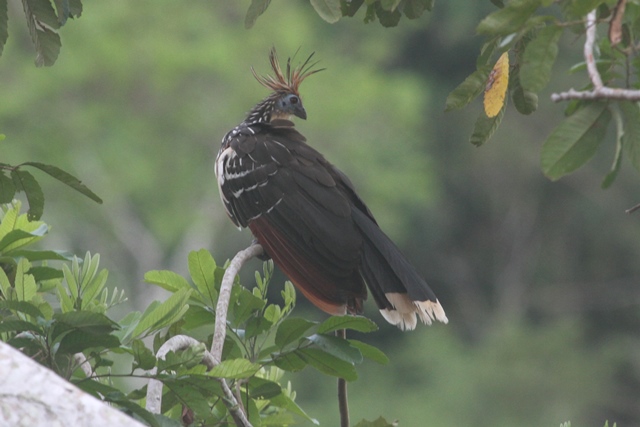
column 307, row 215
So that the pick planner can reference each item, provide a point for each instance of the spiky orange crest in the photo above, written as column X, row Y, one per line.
column 290, row 81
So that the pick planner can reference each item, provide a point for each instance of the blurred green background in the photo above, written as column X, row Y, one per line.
column 539, row 279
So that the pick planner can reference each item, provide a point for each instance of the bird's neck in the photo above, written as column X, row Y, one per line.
column 265, row 111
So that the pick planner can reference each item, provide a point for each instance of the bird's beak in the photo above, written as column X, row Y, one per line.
column 300, row 112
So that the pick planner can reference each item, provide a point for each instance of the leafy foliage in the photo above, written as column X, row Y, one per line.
column 526, row 30
column 264, row 341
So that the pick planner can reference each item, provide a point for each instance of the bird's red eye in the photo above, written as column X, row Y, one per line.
column 294, row 100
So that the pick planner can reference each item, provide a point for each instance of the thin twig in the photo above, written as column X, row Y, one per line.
column 220, row 327
column 599, row 90
column 343, row 401
column 633, row 209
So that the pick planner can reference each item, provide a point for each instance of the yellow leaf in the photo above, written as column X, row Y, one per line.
column 496, row 87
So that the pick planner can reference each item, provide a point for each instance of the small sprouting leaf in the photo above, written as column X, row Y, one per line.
column 7, row 189
column 631, row 137
column 234, row 369
column 539, row 57
column 496, row 87
column 26, row 183
column 202, row 268
column 291, row 329
column 256, row 8
column 485, row 127
column 469, row 89
column 329, row 10
column 65, row 178
column 356, row 323
column 574, row 141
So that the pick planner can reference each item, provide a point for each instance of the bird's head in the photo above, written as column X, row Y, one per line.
column 284, row 102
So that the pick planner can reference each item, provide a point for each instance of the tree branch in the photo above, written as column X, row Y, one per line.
column 599, row 90
column 213, row 358
column 343, row 402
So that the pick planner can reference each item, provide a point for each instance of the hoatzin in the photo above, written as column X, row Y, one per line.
column 307, row 215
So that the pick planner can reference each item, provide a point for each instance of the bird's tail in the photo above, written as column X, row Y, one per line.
column 401, row 294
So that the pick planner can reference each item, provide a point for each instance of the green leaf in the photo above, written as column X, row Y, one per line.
column 631, row 137
column 290, row 361
column 525, row 101
column 66, row 178
column 329, row 10
column 256, row 8
column 260, row 388
column 350, row 7
column 18, row 326
column 164, row 314
column 26, row 183
column 337, row 347
column 389, row 4
column 243, row 304
column 485, row 127
column 328, row 363
column 468, row 90
column 18, row 238
column 285, row 402
column 43, row 22
column 356, row 323
column 4, row 33
column 574, row 141
column 167, row 280
column 202, row 269
column 291, row 329
column 370, row 352
column 81, row 340
column 580, row 8
column 43, row 255
column 414, row 9
column 539, row 57
column 380, row 422
column 617, row 159
column 95, row 323
column 143, row 358
column 7, row 187
column 388, row 18
column 510, row 19
column 25, row 283
column 234, row 369
column 20, row 306
column 45, row 273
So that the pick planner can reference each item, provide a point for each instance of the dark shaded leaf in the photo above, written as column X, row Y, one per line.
column 539, row 57
column 574, row 141
column 328, row 363
column 468, row 90
column 7, row 187
column 79, row 340
column 525, row 101
column 43, row 22
column 45, row 273
column 631, row 137
column 388, row 18
column 4, row 29
column 356, row 323
column 579, row 8
column 18, row 326
column 43, row 255
column 337, row 347
column 22, row 307
column 329, row 10
column 349, row 8
column 291, row 330
column 256, row 8
column 510, row 19
column 65, row 178
column 414, row 9
column 96, row 323
column 485, row 127
column 291, row 361
column 260, row 388
column 62, row 7
column 17, row 235
column 143, row 358
column 26, row 183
